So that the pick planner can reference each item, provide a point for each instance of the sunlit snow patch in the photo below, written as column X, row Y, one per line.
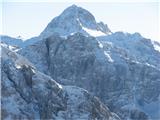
column 93, row 33
column 100, row 44
column 156, row 45
column 60, row 86
column 108, row 57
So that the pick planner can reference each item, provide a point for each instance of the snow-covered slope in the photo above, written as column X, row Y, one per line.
column 29, row 94
column 75, row 19
column 104, row 68
column 134, row 47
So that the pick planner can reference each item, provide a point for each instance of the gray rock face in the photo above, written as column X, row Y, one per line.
column 130, row 88
column 29, row 94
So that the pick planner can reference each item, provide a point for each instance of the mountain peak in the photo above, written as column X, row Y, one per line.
column 75, row 19
column 73, row 6
column 76, row 11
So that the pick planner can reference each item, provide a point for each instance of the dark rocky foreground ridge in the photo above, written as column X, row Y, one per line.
column 30, row 94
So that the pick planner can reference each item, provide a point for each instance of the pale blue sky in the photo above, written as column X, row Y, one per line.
column 28, row 19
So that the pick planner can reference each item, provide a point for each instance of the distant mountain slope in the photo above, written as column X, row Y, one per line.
column 17, row 43
column 11, row 41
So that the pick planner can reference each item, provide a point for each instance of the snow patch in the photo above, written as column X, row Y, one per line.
column 100, row 44
column 156, row 46
column 60, row 86
column 108, row 57
column 93, row 33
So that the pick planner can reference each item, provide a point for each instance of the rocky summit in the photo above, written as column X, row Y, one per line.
column 75, row 19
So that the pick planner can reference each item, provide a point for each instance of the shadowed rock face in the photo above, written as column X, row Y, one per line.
column 29, row 94
column 127, row 86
